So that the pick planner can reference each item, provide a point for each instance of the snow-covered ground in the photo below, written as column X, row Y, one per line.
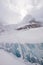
column 24, row 36
column 8, row 59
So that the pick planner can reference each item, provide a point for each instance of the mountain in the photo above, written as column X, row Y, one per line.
column 29, row 22
column 23, row 47
column 7, row 28
column 1, row 27
column 30, row 31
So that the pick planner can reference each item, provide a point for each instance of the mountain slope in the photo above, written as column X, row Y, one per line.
column 32, row 36
column 29, row 22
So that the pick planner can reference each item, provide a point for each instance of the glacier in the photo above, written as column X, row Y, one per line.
column 32, row 53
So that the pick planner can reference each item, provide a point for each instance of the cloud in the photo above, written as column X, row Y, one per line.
column 8, row 13
column 37, row 11
column 12, row 11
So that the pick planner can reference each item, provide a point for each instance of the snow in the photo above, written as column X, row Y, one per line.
column 7, row 59
column 30, row 36
column 24, row 36
column 24, row 54
column 8, row 55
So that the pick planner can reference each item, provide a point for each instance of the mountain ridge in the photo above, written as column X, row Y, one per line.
column 27, row 23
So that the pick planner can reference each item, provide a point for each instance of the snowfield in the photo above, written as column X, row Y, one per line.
column 23, row 36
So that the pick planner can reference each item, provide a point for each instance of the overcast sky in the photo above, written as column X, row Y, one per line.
column 13, row 11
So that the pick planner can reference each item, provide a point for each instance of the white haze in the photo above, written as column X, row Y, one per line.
column 13, row 11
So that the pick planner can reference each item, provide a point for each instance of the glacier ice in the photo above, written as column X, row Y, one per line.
column 32, row 53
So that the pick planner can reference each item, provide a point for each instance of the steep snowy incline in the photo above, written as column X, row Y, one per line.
column 24, row 36
column 7, row 59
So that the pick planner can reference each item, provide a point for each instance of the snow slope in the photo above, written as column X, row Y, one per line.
column 24, row 36
column 7, row 59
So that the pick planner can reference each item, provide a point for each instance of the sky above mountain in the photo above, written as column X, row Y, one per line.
column 13, row 11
